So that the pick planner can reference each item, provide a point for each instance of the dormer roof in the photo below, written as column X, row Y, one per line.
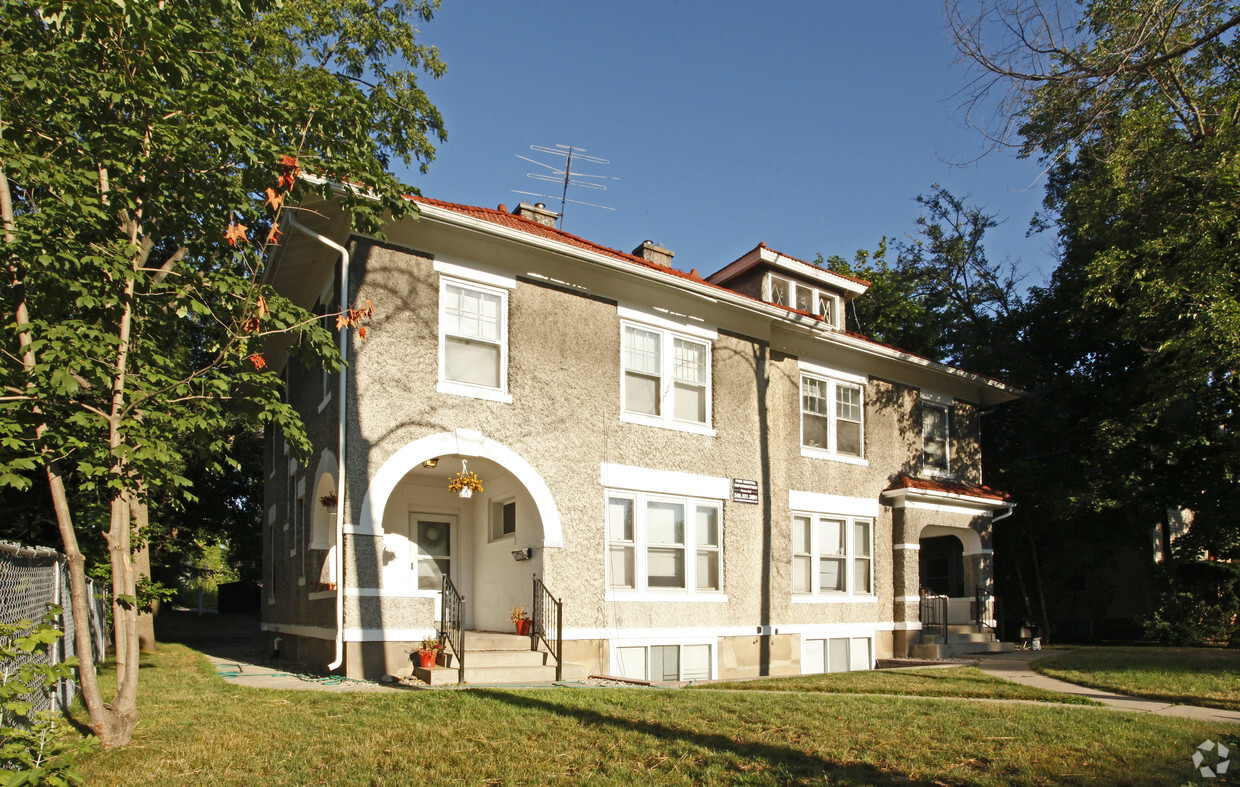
column 847, row 287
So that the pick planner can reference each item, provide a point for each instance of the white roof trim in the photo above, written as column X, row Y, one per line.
column 792, row 265
column 899, row 497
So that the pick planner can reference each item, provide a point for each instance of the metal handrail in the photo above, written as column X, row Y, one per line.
column 452, row 624
column 934, row 614
column 985, row 601
column 548, row 612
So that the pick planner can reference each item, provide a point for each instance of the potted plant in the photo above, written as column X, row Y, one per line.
column 429, row 652
column 521, row 620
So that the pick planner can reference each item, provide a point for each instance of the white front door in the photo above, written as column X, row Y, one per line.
column 435, row 543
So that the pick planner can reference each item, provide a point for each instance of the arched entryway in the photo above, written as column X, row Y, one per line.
column 489, row 544
column 947, row 565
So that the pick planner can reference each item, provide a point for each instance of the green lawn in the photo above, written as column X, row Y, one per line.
column 198, row 729
column 1192, row 676
column 936, row 682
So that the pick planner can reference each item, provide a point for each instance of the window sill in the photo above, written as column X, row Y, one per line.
column 497, row 539
column 664, row 597
column 842, row 598
column 473, row 391
column 321, row 594
column 818, row 453
column 679, row 426
column 319, row 545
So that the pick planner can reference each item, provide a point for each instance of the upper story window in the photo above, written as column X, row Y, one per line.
column 832, row 555
column 832, row 414
column 473, row 333
column 666, row 374
column 935, row 424
column 663, row 543
column 786, row 292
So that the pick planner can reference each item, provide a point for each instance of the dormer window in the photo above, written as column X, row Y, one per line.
column 802, row 297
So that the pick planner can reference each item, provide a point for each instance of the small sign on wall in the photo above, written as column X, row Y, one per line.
column 744, row 491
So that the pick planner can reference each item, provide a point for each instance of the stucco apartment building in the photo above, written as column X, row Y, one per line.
column 712, row 475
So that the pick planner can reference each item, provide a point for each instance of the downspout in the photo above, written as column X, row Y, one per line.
column 1004, row 515
column 341, row 412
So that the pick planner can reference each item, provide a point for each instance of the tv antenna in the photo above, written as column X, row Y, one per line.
column 566, row 176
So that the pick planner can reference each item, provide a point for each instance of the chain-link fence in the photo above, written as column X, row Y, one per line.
column 31, row 578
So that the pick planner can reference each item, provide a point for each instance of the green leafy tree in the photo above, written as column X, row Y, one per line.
column 137, row 144
column 1133, row 108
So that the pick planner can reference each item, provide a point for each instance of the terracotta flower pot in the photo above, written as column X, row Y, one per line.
column 426, row 658
column 523, row 626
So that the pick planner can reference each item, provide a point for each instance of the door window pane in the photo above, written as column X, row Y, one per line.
column 433, row 542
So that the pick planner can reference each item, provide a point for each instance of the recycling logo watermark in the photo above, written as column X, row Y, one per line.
column 1211, row 759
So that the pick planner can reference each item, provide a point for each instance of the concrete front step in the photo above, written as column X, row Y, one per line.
column 493, row 657
column 495, row 640
column 953, row 649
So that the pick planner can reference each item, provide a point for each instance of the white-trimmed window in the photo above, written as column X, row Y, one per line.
column 803, row 297
column 832, row 417
column 664, row 662
column 473, row 339
column 503, row 522
column 935, row 425
column 660, row 543
column 325, row 311
column 836, row 654
column 832, row 555
column 666, row 377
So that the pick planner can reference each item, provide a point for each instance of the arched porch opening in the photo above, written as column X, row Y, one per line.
column 489, row 543
column 948, row 566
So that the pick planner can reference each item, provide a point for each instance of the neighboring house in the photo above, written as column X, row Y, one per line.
column 715, row 477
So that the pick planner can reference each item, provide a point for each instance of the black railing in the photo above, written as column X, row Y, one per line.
column 452, row 624
column 548, row 625
column 934, row 615
column 986, row 612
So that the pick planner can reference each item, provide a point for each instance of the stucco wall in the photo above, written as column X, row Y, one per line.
column 564, row 378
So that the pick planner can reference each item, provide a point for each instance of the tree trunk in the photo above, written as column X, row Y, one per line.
column 113, row 725
column 142, row 563
column 1038, row 586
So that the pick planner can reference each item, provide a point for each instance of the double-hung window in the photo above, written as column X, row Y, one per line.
column 473, row 332
column 666, row 375
column 935, row 452
column 658, row 543
column 832, row 555
column 832, row 416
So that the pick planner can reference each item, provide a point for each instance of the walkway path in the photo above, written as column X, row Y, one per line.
column 1015, row 667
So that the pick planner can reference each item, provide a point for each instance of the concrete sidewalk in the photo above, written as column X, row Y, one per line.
column 242, row 673
column 1015, row 667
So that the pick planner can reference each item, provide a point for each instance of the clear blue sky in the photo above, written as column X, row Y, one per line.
column 809, row 126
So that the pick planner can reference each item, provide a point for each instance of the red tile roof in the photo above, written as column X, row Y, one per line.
column 905, row 481
column 504, row 218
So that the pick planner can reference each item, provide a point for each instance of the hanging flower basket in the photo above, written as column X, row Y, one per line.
column 465, row 483
column 328, row 500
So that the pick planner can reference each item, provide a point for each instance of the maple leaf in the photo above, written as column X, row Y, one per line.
column 341, row 321
column 288, row 162
column 250, row 325
column 235, row 232
column 260, row 306
column 273, row 237
column 258, row 360
column 362, row 332
column 275, row 199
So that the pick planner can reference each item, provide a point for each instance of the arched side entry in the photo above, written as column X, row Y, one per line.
column 467, row 443
column 951, row 563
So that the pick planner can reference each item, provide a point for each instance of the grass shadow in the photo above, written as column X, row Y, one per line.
column 790, row 763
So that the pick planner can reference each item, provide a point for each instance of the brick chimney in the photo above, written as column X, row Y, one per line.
column 651, row 252
column 538, row 213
